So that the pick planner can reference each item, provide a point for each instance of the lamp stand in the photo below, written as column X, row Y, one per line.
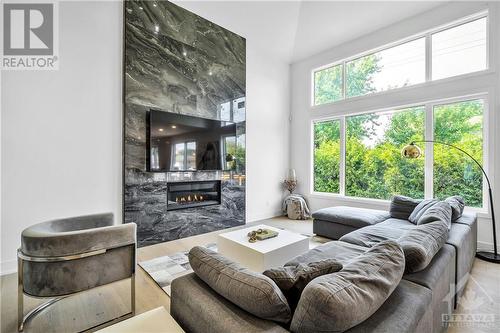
column 412, row 151
column 489, row 256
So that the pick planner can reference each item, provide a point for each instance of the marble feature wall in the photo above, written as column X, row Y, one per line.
column 178, row 62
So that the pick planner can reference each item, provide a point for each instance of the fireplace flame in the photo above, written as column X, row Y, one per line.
column 189, row 198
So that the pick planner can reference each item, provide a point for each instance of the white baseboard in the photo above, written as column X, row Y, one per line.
column 264, row 216
column 485, row 246
column 8, row 267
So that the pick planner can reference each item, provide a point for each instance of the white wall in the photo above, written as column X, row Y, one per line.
column 61, row 130
column 267, row 133
column 302, row 113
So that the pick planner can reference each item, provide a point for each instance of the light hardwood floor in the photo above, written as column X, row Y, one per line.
column 95, row 306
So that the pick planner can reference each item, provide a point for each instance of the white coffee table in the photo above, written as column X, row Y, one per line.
column 265, row 254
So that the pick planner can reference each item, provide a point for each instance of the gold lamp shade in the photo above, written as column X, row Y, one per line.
column 411, row 151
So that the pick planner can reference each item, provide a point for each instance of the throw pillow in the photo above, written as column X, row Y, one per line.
column 457, row 204
column 251, row 291
column 402, row 207
column 421, row 244
column 420, row 209
column 336, row 302
column 293, row 279
column 439, row 211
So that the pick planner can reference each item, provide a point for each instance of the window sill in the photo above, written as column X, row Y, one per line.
column 376, row 203
column 382, row 204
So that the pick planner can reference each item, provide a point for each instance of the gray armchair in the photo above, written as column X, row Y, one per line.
column 62, row 257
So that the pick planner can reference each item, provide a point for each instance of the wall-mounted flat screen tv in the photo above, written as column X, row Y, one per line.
column 179, row 142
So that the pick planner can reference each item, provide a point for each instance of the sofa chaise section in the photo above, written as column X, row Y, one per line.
column 334, row 222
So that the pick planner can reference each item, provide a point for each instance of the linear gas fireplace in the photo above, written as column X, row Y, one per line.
column 182, row 195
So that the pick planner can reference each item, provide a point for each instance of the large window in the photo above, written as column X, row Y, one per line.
column 328, row 85
column 459, row 124
column 391, row 68
column 374, row 167
column 457, row 50
column 327, row 156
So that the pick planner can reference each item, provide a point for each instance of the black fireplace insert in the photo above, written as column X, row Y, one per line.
column 182, row 195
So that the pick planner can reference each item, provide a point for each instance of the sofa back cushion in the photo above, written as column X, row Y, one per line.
column 420, row 209
column 251, row 291
column 421, row 244
column 338, row 301
column 293, row 279
column 402, row 207
column 440, row 211
column 457, row 204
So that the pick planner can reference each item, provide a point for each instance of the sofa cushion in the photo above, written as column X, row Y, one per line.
column 404, row 311
column 199, row 309
column 249, row 290
column 336, row 302
column 439, row 211
column 397, row 224
column 420, row 244
column 457, row 204
column 420, row 209
column 341, row 251
column 402, row 207
column 372, row 235
column 293, row 279
column 351, row 216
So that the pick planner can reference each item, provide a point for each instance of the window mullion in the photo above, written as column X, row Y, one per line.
column 429, row 152
column 428, row 57
column 342, row 155
column 344, row 83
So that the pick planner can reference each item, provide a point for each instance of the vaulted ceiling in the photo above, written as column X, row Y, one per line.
column 295, row 30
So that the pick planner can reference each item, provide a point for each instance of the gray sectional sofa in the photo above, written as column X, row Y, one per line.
column 437, row 264
column 370, row 226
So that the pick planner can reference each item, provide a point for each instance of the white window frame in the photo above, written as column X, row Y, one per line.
column 429, row 148
column 313, row 82
column 341, row 120
column 428, row 58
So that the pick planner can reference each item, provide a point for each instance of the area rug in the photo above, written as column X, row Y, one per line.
column 164, row 269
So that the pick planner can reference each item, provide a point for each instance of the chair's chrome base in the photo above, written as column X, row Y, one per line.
column 41, row 307
column 23, row 319
column 36, row 310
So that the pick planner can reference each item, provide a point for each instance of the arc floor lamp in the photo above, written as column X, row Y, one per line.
column 413, row 151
